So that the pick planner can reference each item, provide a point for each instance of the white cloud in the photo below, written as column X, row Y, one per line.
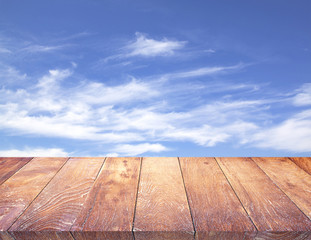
column 99, row 93
column 10, row 75
column 293, row 134
column 5, row 50
column 134, row 150
column 303, row 97
column 205, row 136
column 34, row 152
column 209, row 50
column 142, row 111
column 205, row 71
column 148, row 47
column 110, row 114
column 41, row 48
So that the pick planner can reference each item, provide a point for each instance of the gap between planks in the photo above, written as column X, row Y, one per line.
column 183, row 180
column 141, row 160
column 236, row 194
column 39, row 192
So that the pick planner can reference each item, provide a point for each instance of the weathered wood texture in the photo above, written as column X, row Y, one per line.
column 162, row 211
column 291, row 179
column 19, row 191
column 283, row 236
column 59, row 204
column 269, row 208
column 9, row 166
column 213, row 203
column 226, row 235
column 111, row 202
column 155, row 198
column 114, row 235
column 303, row 162
column 46, row 235
column 5, row 236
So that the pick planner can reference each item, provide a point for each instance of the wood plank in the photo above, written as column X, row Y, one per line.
column 303, row 162
column 226, row 236
column 89, row 235
column 19, row 190
column 5, row 236
column 291, row 179
column 215, row 207
column 283, row 235
column 111, row 203
column 162, row 210
column 9, row 166
column 44, row 235
column 58, row 206
column 270, row 209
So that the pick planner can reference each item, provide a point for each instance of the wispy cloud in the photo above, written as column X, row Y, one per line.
column 303, row 96
column 293, row 134
column 42, row 48
column 10, row 75
column 5, row 50
column 137, row 114
column 34, row 152
column 137, row 149
column 148, row 47
column 205, row 71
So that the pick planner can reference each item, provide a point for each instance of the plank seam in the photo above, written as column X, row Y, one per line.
column 39, row 192
column 72, row 235
column 183, row 180
column 298, row 165
column 134, row 215
column 236, row 194
column 91, row 209
column 11, row 235
column 133, row 235
column 18, row 170
column 279, row 188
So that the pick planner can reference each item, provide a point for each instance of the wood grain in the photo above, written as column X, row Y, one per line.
column 303, row 162
column 162, row 206
column 5, row 236
column 19, row 190
column 291, row 179
column 283, row 236
column 215, row 207
column 111, row 203
column 89, row 235
column 270, row 209
column 58, row 206
column 225, row 235
column 44, row 235
column 9, row 166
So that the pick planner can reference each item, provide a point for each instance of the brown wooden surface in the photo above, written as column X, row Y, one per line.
column 162, row 206
column 213, row 203
column 5, row 236
column 58, row 206
column 226, row 236
column 19, row 191
column 162, row 198
column 111, row 202
column 89, row 235
column 46, row 235
column 9, row 166
column 283, row 236
column 291, row 179
column 269, row 208
column 303, row 162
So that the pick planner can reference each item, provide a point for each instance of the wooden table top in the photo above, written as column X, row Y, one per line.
column 155, row 198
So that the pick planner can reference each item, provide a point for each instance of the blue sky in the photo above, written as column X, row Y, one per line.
column 155, row 78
